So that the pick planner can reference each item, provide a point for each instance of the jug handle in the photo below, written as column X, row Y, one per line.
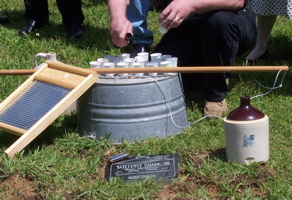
column 44, row 55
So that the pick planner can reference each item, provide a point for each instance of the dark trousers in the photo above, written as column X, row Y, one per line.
column 71, row 11
column 212, row 39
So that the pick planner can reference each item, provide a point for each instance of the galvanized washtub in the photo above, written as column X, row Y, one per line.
column 132, row 109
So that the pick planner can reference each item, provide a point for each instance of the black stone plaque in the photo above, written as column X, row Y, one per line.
column 158, row 167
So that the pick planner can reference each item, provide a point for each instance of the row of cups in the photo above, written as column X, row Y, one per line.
column 143, row 59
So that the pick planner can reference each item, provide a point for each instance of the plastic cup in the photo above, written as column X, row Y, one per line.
column 155, row 56
column 158, row 60
column 166, row 64
column 110, row 57
column 109, row 65
column 164, row 57
column 138, row 65
column 162, row 30
column 95, row 64
column 152, row 64
column 123, row 65
column 130, row 61
column 142, row 60
column 144, row 55
column 117, row 60
column 173, row 61
column 138, row 57
column 103, row 60
column 125, row 56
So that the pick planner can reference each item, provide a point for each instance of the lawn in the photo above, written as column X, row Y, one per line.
column 61, row 164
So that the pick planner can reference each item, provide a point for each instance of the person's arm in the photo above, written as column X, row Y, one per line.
column 178, row 10
column 119, row 24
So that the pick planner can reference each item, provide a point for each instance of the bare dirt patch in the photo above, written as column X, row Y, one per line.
column 17, row 187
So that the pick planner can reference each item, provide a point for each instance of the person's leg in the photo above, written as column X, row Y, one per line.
column 71, row 11
column 225, row 34
column 137, row 12
column 72, row 16
column 37, row 10
column 216, row 42
column 36, row 15
column 184, row 43
column 265, row 25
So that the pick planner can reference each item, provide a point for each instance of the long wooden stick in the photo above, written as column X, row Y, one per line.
column 195, row 69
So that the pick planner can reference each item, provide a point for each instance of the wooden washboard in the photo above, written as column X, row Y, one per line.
column 44, row 96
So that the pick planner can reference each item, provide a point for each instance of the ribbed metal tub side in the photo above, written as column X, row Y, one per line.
column 130, row 110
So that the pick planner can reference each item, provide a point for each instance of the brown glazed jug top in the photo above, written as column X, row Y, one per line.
column 245, row 112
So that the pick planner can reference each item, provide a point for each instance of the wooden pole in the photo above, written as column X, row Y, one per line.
column 195, row 69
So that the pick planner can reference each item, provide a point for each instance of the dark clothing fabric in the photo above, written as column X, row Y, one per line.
column 37, row 10
column 210, row 39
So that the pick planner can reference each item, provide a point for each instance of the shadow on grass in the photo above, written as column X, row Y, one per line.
column 92, row 38
column 219, row 154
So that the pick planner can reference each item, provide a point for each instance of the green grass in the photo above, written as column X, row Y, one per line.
column 62, row 165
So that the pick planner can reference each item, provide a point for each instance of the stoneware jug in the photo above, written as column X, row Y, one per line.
column 47, row 56
column 246, row 134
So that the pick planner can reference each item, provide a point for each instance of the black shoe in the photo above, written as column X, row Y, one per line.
column 3, row 18
column 140, row 47
column 74, row 31
column 249, row 62
column 30, row 26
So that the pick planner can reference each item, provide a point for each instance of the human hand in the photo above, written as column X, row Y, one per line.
column 175, row 13
column 119, row 30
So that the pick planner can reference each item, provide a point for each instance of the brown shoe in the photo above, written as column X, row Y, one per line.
column 215, row 108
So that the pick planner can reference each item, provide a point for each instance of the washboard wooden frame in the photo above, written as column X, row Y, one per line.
column 43, row 97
